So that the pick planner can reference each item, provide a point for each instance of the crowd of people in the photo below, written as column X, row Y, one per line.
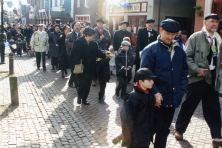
column 168, row 66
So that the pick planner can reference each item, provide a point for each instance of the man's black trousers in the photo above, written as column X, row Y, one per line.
column 198, row 91
column 39, row 56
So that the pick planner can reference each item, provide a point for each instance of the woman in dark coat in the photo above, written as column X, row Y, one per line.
column 87, row 51
column 63, row 57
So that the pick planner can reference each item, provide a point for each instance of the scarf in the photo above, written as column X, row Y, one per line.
column 145, row 91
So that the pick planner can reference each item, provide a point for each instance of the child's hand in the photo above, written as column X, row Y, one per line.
column 128, row 68
column 158, row 99
column 125, row 68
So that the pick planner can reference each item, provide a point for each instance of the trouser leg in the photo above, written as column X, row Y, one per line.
column 38, row 59
column 211, row 111
column 102, row 85
column 120, row 83
column 194, row 95
column 124, row 87
column 162, row 121
column 43, row 59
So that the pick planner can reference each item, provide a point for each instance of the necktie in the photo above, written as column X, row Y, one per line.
column 211, row 40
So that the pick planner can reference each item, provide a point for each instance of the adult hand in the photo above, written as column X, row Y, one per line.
column 61, row 36
column 158, row 98
column 201, row 73
column 101, row 37
column 115, row 52
column 57, row 45
column 128, row 68
column 125, row 68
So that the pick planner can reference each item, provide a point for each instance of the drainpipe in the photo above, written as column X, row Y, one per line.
column 159, row 17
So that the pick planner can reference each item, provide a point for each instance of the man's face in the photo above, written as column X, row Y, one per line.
column 57, row 29
column 211, row 25
column 16, row 26
column 90, row 38
column 167, row 37
column 40, row 28
column 123, row 27
column 76, row 27
column 183, row 36
column 149, row 25
column 99, row 24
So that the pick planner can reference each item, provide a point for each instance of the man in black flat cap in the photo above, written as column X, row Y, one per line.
column 119, row 35
column 203, row 57
column 145, row 36
column 167, row 60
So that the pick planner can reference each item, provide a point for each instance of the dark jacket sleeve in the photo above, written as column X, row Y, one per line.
column 127, row 115
column 131, row 61
column 185, row 69
column 148, row 60
column 139, row 39
column 115, row 42
column 117, row 61
column 99, row 53
column 75, row 54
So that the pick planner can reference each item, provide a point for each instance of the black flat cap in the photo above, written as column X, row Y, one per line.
column 170, row 25
column 57, row 21
column 150, row 21
column 124, row 22
column 87, row 23
column 144, row 73
column 211, row 16
column 184, row 32
column 100, row 20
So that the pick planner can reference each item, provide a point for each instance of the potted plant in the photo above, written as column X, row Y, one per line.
column 198, row 10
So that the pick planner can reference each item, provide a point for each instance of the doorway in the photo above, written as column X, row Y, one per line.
column 137, row 22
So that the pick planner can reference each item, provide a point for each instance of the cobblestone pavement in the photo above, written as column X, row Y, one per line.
column 48, row 115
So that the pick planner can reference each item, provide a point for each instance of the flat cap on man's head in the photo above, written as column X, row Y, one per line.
column 170, row 25
column 211, row 16
column 184, row 32
column 150, row 21
column 144, row 73
column 124, row 22
column 100, row 20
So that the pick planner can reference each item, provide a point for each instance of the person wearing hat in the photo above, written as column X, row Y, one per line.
column 19, row 45
column 145, row 36
column 124, row 63
column 183, row 39
column 54, row 48
column 167, row 60
column 137, row 112
column 39, row 44
column 203, row 57
column 102, row 38
column 87, row 25
column 119, row 35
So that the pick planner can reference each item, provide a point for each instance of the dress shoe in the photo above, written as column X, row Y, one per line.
column 177, row 135
column 101, row 101
column 44, row 69
column 65, row 72
column 94, row 83
column 216, row 144
column 85, row 102
column 71, row 85
column 63, row 76
column 78, row 101
column 38, row 68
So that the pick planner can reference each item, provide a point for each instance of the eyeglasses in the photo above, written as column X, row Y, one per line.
column 214, row 21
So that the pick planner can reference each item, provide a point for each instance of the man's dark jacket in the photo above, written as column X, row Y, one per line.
column 172, row 73
column 118, row 38
column 28, row 34
column 143, row 40
column 88, row 53
column 137, row 117
column 102, row 43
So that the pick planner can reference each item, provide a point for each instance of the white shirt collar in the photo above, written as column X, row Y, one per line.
column 149, row 30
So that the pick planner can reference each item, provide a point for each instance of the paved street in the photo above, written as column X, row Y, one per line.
column 48, row 115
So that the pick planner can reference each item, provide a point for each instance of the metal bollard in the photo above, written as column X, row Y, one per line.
column 11, row 63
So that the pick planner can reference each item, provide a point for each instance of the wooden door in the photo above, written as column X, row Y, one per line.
column 137, row 22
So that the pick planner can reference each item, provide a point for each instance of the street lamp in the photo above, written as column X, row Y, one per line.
column 62, row 9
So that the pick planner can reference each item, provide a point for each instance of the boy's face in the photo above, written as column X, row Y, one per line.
column 125, row 47
column 147, row 83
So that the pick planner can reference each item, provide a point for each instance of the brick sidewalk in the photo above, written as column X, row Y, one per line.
column 48, row 115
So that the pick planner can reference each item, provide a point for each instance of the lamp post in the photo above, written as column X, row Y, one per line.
column 2, row 36
column 62, row 9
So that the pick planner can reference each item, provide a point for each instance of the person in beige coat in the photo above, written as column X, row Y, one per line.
column 39, row 44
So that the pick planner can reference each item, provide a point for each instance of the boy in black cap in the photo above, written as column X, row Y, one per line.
column 137, row 112
column 167, row 60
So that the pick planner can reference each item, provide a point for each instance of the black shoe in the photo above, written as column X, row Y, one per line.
column 85, row 102
column 78, row 101
column 63, row 76
column 101, row 101
column 38, row 68
column 65, row 72
column 72, row 86
column 53, row 68
column 44, row 69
